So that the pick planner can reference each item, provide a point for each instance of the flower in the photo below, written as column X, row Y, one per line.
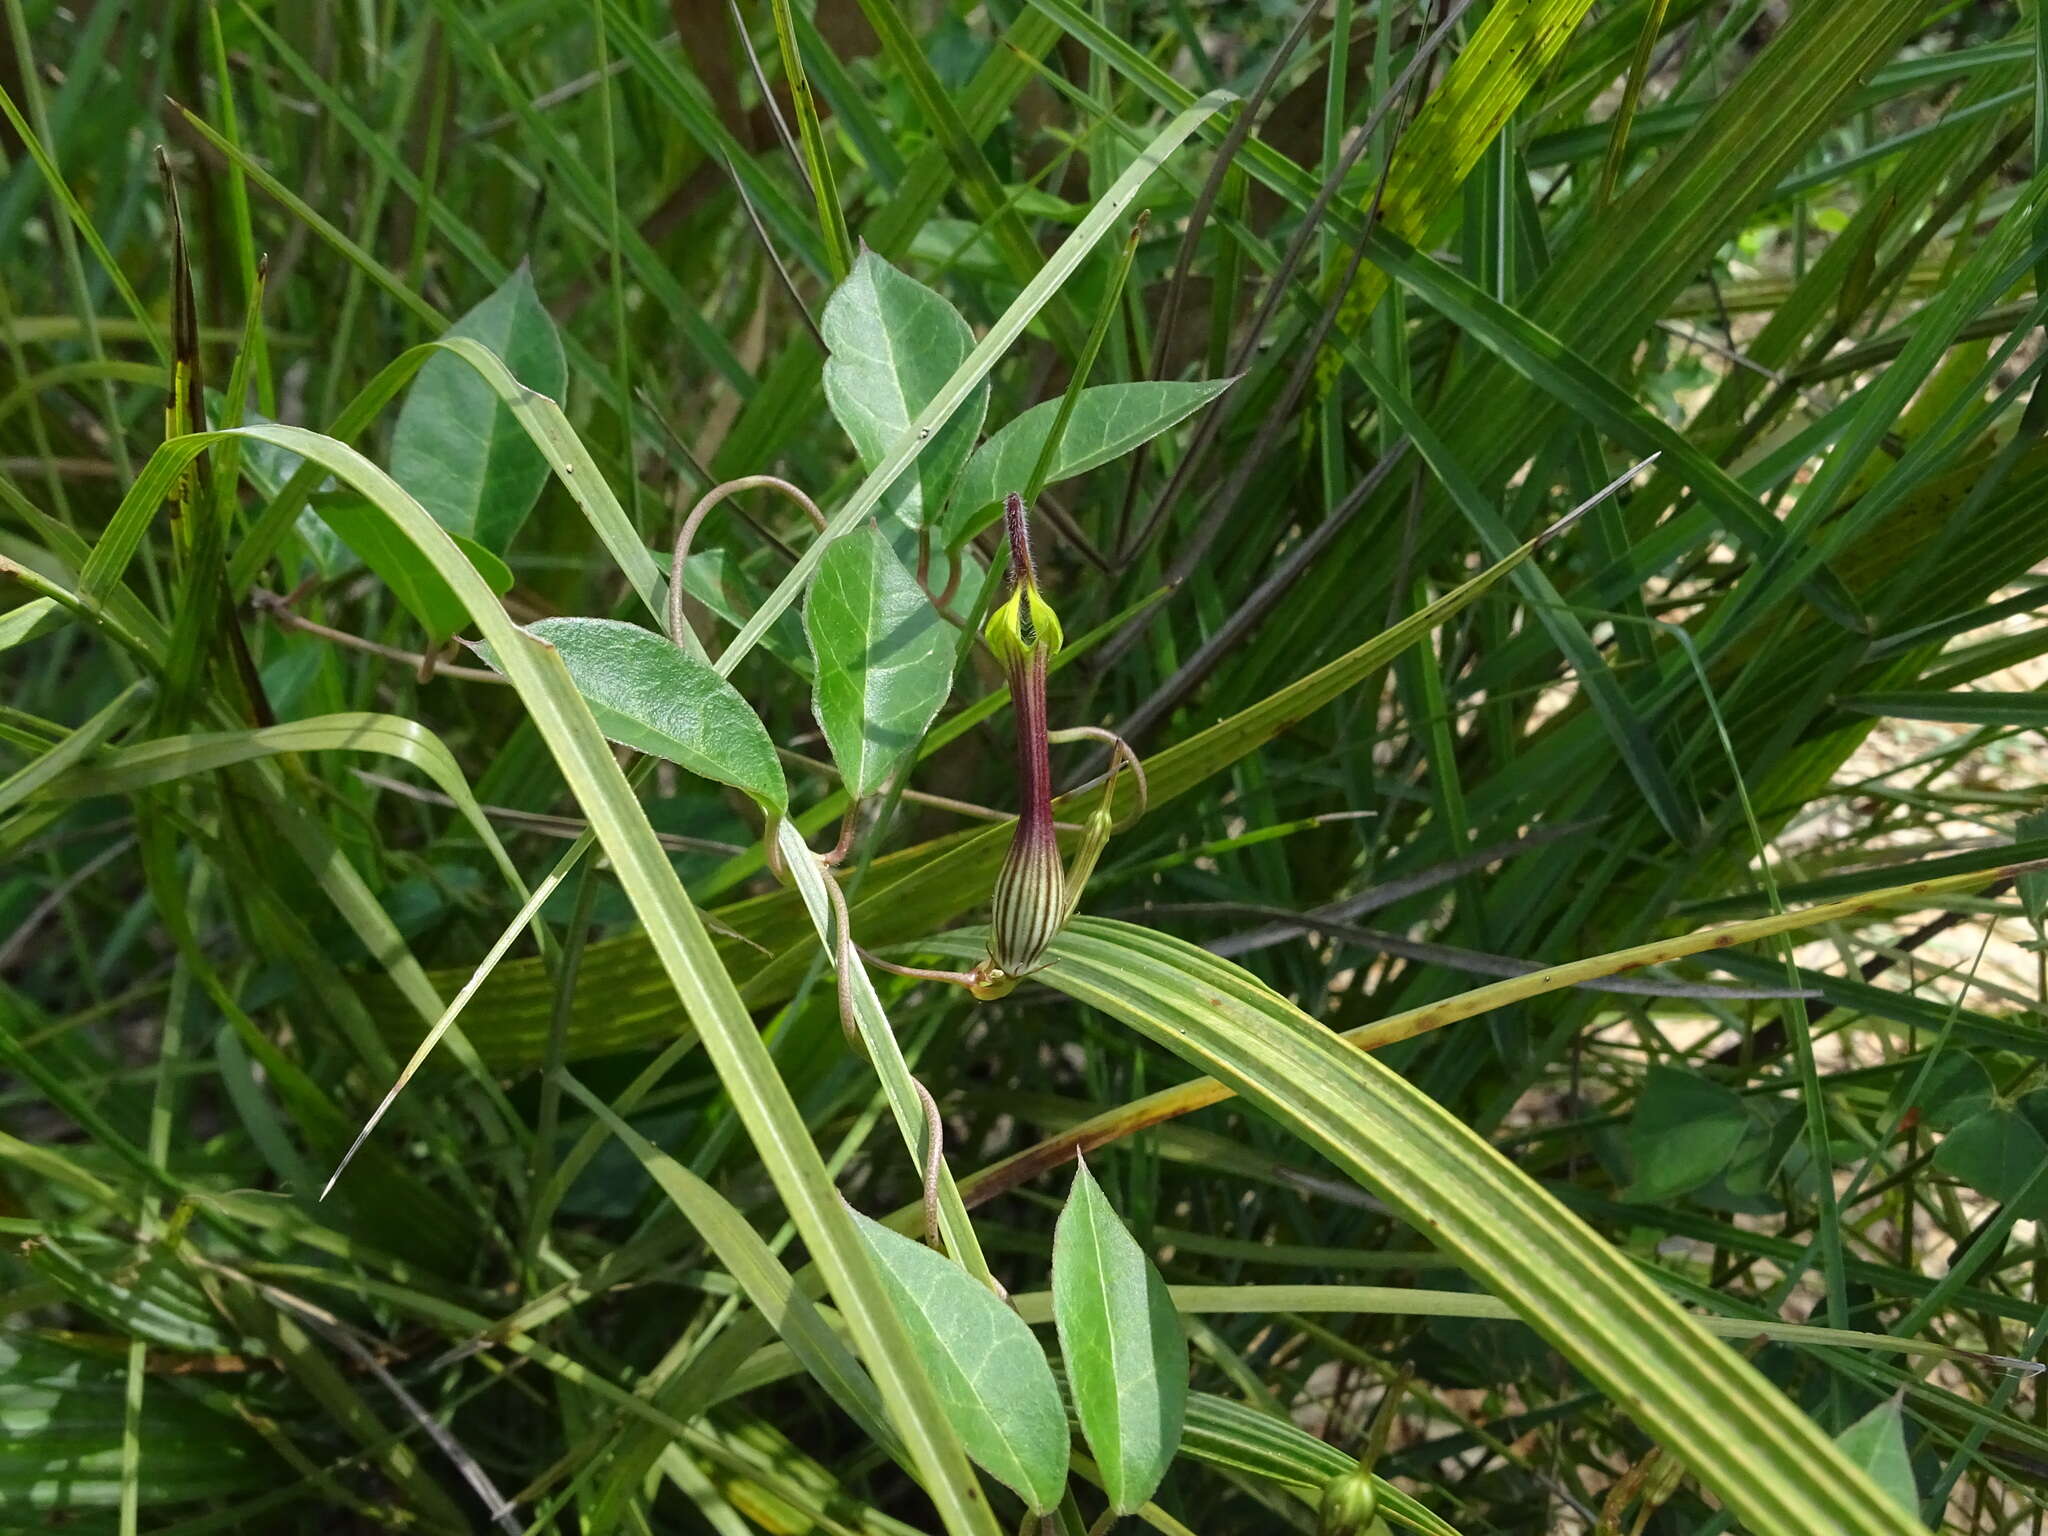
column 1031, row 899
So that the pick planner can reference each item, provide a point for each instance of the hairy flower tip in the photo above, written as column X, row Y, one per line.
column 1024, row 623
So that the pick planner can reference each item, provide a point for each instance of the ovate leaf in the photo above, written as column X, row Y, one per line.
column 990, row 1375
column 884, row 658
column 1127, row 1358
column 458, row 449
column 1877, row 1443
column 1108, row 422
column 1997, row 1152
column 1684, row 1132
column 653, row 696
column 894, row 343
column 408, row 573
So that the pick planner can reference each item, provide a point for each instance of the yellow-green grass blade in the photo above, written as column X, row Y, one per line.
column 1185, row 1098
column 1757, row 1452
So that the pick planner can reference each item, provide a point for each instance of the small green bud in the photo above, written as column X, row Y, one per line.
column 1351, row 1502
column 1024, row 622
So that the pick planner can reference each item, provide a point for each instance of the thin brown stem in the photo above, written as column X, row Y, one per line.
column 934, row 1150
column 678, row 624
column 274, row 607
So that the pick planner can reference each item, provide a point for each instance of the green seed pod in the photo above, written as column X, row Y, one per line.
column 1351, row 1503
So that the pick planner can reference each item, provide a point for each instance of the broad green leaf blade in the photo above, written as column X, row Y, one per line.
column 894, row 345
column 412, row 580
column 1121, row 1339
column 883, row 656
column 457, row 448
column 983, row 1362
column 1963, row 706
column 1756, row 1451
column 1997, row 1152
column 1877, row 1443
column 653, row 696
column 1684, row 1132
column 1109, row 420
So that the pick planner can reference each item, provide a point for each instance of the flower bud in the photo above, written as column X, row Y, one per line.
column 1351, row 1503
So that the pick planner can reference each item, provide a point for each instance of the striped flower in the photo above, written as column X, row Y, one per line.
column 1030, row 902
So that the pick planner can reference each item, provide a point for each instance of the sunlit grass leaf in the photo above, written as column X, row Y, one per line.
column 1109, row 420
column 1877, row 1443
column 894, row 344
column 1754, row 1449
column 1121, row 1339
column 884, row 658
column 147, row 1295
column 412, row 580
column 63, row 1452
column 984, row 1363
column 457, row 448
column 653, row 696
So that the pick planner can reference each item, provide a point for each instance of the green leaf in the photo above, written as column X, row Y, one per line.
column 1684, row 1132
column 894, row 345
column 1877, row 1443
column 1109, row 420
column 410, row 576
column 989, row 1373
column 1961, row 706
column 884, row 658
column 1127, row 1359
column 64, row 1451
column 457, row 448
column 2033, row 888
column 1997, row 1152
column 650, row 694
